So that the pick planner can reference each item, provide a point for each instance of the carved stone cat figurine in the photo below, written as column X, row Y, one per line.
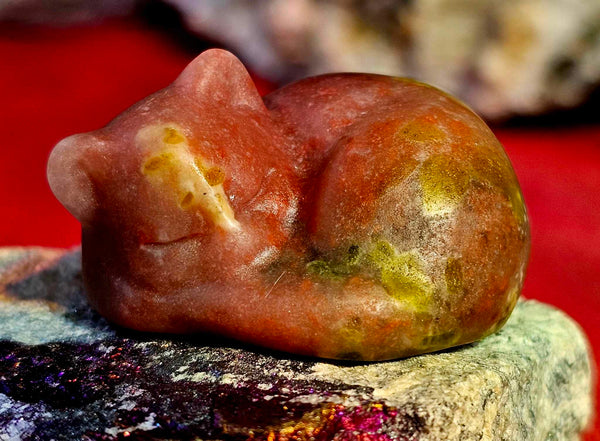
column 347, row 216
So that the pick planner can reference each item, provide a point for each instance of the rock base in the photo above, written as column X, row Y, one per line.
column 65, row 373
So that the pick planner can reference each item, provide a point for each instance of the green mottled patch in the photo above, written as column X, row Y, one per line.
column 353, row 255
column 454, row 277
column 323, row 269
column 443, row 183
column 342, row 267
column 381, row 253
column 402, row 275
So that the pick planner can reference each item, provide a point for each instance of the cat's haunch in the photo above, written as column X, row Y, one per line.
column 347, row 216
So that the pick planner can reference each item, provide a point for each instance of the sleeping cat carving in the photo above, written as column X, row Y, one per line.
column 347, row 216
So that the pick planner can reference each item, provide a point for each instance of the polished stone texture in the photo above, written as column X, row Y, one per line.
column 344, row 216
column 65, row 373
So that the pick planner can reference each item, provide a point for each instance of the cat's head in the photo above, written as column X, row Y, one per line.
column 190, row 169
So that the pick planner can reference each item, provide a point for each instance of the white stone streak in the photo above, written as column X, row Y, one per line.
column 146, row 425
column 175, row 163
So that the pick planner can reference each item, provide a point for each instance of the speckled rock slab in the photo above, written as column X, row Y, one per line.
column 67, row 374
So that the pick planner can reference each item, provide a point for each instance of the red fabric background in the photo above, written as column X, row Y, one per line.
column 56, row 82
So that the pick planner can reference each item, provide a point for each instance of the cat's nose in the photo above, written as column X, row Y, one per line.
column 68, row 178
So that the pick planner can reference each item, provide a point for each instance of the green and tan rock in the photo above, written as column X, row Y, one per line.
column 65, row 373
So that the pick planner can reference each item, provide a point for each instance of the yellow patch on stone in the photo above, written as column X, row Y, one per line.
column 440, row 341
column 490, row 170
column 214, row 176
column 454, row 277
column 403, row 275
column 162, row 166
column 518, row 206
column 194, row 182
column 419, row 130
column 187, row 200
column 443, row 183
column 496, row 172
column 173, row 136
column 405, row 281
column 351, row 342
column 158, row 162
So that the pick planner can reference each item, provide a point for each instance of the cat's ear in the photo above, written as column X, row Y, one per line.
column 218, row 76
column 69, row 177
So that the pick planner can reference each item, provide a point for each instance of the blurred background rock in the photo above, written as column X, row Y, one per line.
column 505, row 58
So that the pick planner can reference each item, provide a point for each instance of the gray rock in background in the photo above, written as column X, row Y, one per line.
column 63, row 12
column 67, row 374
column 502, row 57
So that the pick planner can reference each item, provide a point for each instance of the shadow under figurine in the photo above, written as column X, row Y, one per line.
column 347, row 216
